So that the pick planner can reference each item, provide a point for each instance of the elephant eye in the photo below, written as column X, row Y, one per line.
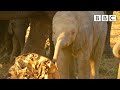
column 53, row 32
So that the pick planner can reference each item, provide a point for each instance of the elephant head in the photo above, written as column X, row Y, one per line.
column 64, row 32
column 67, row 30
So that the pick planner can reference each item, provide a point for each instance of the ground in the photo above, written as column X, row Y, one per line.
column 108, row 66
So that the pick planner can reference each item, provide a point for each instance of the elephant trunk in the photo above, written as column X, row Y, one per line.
column 57, row 50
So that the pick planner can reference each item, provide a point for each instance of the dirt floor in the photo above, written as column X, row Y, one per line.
column 108, row 66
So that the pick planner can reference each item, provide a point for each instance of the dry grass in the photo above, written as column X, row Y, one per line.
column 4, row 70
column 108, row 68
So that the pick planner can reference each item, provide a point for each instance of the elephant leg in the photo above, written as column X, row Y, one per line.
column 83, row 65
column 20, row 27
column 94, row 70
column 16, row 48
column 21, row 39
column 94, row 66
column 96, row 57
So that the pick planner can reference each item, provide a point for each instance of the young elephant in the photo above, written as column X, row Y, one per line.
column 79, row 43
column 17, row 28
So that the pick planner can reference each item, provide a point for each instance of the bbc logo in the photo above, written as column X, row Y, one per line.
column 104, row 17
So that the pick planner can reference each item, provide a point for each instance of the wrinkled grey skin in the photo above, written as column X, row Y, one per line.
column 17, row 28
column 79, row 43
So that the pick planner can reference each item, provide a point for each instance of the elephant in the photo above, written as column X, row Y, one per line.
column 40, row 31
column 40, row 23
column 79, row 43
column 17, row 28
